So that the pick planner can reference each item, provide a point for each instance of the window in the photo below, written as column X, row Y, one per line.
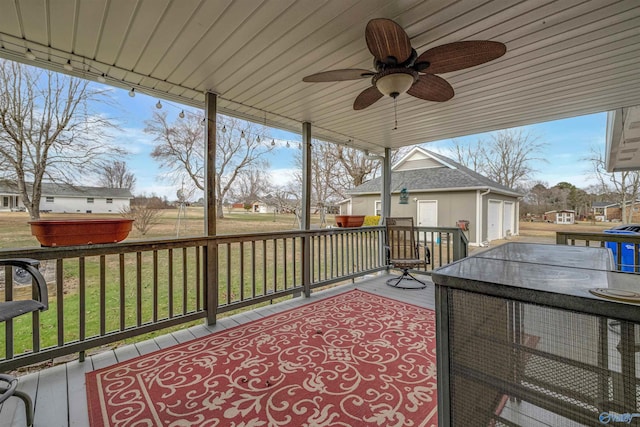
column 5, row 202
column 109, row 201
column 377, row 209
column 89, row 199
column 50, row 199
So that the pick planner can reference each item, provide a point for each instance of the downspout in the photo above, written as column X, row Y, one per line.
column 479, row 215
column 517, row 216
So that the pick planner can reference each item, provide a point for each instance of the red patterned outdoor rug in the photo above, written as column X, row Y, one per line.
column 356, row 359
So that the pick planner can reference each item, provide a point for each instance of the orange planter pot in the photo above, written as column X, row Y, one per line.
column 53, row 232
column 347, row 221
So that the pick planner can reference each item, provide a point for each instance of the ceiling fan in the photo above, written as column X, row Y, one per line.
column 399, row 69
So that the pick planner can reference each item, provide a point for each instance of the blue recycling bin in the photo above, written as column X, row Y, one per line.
column 626, row 251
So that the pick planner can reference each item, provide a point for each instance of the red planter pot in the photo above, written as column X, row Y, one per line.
column 347, row 221
column 53, row 232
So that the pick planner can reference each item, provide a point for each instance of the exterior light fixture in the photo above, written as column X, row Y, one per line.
column 181, row 115
column 68, row 65
column 288, row 144
column 258, row 138
column 242, row 134
column 404, row 196
column 30, row 55
column 273, row 142
column 132, row 92
column 102, row 78
column 224, row 129
column 159, row 105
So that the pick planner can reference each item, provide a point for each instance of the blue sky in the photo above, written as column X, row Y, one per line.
column 568, row 146
column 569, row 143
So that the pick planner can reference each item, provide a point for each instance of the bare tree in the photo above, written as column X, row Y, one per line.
column 251, row 184
column 358, row 167
column 117, row 175
column 48, row 130
column 538, row 198
column 505, row 158
column 286, row 198
column 144, row 215
column 468, row 155
column 624, row 186
column 240, row 145
column 336, row 169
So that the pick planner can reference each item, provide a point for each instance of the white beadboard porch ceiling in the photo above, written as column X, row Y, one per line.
column 564, row 58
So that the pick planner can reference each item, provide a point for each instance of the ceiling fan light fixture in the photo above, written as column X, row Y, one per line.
column 395, row 82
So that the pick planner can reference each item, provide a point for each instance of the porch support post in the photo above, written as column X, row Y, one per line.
column 211, row 250
column 386, row 184
column 305, row 222
column 386, row 203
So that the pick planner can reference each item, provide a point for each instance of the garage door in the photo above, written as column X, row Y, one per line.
column 494, row 223
column 507, row 219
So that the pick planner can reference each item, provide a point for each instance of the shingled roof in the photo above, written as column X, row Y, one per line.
column 451, row 176
column 66, row 190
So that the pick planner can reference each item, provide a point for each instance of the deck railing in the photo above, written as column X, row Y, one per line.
column 446, row 244
column 625, row 247
column 101, row 294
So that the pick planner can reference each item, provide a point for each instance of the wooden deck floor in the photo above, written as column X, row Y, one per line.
column 59, row 392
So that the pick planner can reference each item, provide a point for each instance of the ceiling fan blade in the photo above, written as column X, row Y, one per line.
column 338, row 75
column 387, row 39
column 459, row 55
column 366, row 98
column 431, row 88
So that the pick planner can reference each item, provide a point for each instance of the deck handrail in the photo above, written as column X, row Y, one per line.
column 617, row 242
column 101, row 294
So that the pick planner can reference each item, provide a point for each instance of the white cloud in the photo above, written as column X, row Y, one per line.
column 282, row 176
column 134, row 140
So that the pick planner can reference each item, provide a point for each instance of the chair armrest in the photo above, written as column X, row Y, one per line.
column 31, row 267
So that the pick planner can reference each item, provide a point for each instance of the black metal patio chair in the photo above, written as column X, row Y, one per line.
column 403, row 252
column 12, row 309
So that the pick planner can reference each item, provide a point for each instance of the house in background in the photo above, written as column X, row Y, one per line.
column 62, row 198
column 604, row 211
column 562, row 216
column 441, row 193
column 610, row 211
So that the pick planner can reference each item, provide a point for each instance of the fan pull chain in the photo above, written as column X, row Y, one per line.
column 395, row 112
